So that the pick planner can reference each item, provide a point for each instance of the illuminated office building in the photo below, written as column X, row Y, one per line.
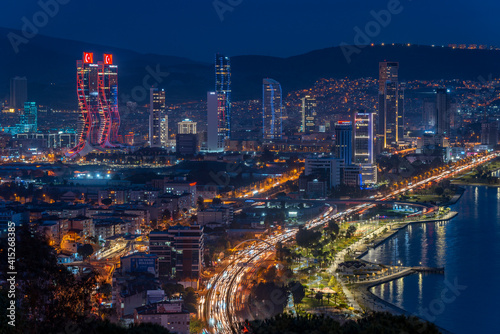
column 343, row 141
column 213, row 142
column 18, row 93
column 223, row 90
column 308, row 113
column 363, row 150
column 97, row 91
column 164, row 130
column 272, row 127
column 390, row 118
column 442, row 112
column 186, row 127
column 28, row 120
column 363, row 137
column 108, row 95
column 156, row 116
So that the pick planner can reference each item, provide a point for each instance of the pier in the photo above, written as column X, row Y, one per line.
column 429, row 270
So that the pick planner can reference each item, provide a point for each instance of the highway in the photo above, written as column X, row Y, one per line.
column 220, row 305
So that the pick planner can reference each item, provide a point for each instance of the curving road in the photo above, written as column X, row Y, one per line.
column 222, row 302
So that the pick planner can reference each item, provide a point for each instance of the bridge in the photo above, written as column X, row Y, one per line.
column 327, row 201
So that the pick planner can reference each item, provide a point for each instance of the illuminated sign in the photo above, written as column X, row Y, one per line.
column 344, row 122
column 88, row 57
column 142, row 265
column 108, row 59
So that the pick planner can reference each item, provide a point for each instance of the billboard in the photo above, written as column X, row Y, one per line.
column 143, row 265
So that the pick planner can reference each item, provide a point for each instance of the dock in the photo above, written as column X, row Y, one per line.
column 439, row 270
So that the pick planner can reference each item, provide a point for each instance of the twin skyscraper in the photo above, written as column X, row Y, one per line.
column 97, row 90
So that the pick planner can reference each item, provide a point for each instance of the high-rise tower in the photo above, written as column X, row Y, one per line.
column 223, row 90
column 156, row 115
column 18, row 93
column 362, row 143
column 28, row 121
column 390, row 118
column 308, row 114
column 442, row 112
column 97, row 91
column 272, row 127
column 108, row 96
column 213, row 143
column 363, row 137
column 343, row 141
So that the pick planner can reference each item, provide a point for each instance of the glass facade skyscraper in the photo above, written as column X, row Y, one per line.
column 18, row 93
column 28, row 121
column 223, row 91
column 363, row 137
column 156, row 117
column 390, row 118
column 343, row 141
column 97, row 91
column 308, row 114
column 442, row 112
column 363, row 148
column 272, row 127
column 108, row 95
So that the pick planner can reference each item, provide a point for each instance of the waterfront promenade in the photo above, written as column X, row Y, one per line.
column 358, row 295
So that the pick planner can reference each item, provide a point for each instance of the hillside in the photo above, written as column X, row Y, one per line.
column 49, row 64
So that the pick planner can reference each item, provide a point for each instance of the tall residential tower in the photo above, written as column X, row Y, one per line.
column 157, row 117
column 223, row 90
column 308, row 112
column 272, row 127
column 390, row 118
column 97, row 90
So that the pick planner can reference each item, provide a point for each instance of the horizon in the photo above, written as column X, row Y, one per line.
column 459, row 46
column 236, row 27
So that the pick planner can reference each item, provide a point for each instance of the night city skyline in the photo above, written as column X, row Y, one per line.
column 237, row 166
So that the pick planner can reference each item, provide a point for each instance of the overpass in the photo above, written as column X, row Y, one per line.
column 327, row 201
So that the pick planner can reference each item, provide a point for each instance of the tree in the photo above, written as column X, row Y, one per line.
column 85, row 251
column 350, row 231
column 306, row 238
column 333, row 226
column 374, row 323
column 200, row 203
column 49, row 296
column 216, row 201
column 269, row 275
column 106, row 201
column 319, row 296
column 190, row 300
column 298, row 292
column 171, row 289
column 439, row 191
column 270, row 298
column 196, row 325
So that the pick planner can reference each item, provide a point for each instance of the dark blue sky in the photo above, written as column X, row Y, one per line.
column 192, row 28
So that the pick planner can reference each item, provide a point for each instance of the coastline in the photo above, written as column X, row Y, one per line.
column 461, row 183
column 383, row 237
column 361, row 291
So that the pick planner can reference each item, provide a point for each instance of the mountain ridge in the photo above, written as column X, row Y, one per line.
column 49, row 65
